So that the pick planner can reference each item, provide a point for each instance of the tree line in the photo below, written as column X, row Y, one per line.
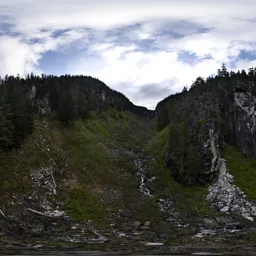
column 69, row 97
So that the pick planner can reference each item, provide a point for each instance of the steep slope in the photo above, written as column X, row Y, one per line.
column 68, row 97
column 203, row 120
column 85, row 171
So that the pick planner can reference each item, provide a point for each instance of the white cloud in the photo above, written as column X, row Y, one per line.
column 16, row 57
column 220, row 29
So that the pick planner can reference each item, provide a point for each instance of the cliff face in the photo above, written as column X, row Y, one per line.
column 203, row 120
column 244, row 122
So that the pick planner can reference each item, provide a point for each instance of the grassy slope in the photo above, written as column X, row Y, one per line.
column 188, row 199
column 192, row 199
column 243, row 169
column 97, row 173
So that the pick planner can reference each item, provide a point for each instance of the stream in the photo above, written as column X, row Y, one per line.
column 142, row 187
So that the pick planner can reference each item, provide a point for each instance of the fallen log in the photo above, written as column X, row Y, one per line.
column 55, row 214
column 2, row 213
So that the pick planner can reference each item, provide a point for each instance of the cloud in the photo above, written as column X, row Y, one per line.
column 152, row 91
column 16, row 57
column 145, row 49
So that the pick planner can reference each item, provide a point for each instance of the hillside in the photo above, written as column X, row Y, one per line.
column 81, row 166
column 215, row 112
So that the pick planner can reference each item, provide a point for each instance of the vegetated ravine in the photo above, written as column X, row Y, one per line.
column 83, row 167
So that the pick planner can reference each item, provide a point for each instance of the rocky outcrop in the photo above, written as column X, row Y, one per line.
column 203, row 120
column 41, row 104
column 227, row 197
column 244, row 117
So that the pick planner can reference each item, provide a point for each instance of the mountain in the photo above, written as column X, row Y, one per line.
column 214, row 113
column 81, row 166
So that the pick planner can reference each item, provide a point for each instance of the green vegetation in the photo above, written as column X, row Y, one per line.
column 70, row 97
column 84, row 205
column 16, row 164
column 243, row 169
column 91, row 156
column 187, row 199
column 98, row 176
column 208, row 104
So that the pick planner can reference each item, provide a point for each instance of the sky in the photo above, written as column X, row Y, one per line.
column 146, row 49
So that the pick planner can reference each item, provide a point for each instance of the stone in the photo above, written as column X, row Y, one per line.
column 227, row 197
column 154, row 244
column 147, row 223
column 136, row 224
column 138, row 233
column 121, row 235
column 224, row 209
column 210, row 223
column 144, row 227
column 248, row 217
column 206, row 232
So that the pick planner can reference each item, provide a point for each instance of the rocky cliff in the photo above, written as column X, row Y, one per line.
column 211, row 115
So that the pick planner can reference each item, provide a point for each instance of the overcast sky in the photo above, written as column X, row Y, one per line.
column 147, row 49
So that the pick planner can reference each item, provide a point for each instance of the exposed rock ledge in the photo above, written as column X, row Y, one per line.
column 227, row 197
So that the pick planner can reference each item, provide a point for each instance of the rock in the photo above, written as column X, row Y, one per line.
column 55, row 213
column 210, row 223
column 37, row 229
column 136, row 224
column 245, row 122
column 248, row 217
column 121, row 235
column 37, row 246
column 147, row 223
column 205, row 232
column 226, row 197
column 165, row 205
column 154, row 244
column 144, row 227
column 224, row 209
column 43, row 105
column 138, row 233
column 238, row 117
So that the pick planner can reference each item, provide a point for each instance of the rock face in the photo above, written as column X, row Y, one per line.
column 194, row 140
column 244, row 119
column 203, row 120
column 226, row 197
column 41, row 105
